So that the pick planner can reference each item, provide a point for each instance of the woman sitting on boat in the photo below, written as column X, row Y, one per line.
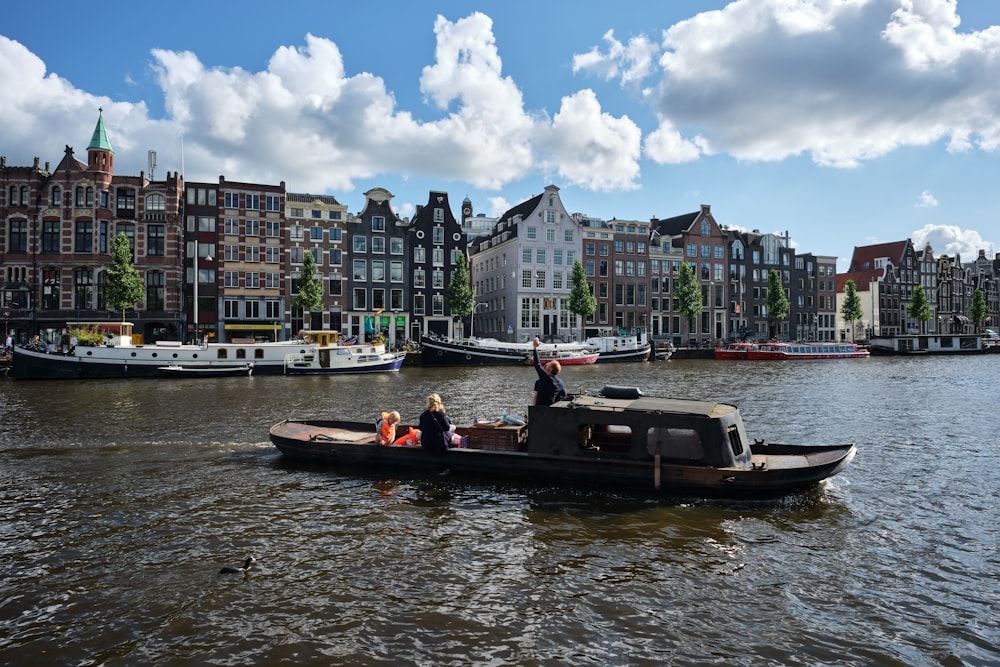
column 549, row 387
column 435, row 426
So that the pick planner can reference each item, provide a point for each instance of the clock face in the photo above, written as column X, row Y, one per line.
column 467, row 210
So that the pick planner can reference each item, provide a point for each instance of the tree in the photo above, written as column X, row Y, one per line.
column 688, row 294
column 851, row 310
column 919, row 308
column 979, row 311
column 122, row 282
column 581, row 301
column 777, row 302
column 459, row 296
column 310, row 294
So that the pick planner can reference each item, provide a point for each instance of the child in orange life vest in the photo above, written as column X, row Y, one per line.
column 387, row 428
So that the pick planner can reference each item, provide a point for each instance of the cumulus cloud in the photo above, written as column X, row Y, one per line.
column 837, row 80
column 926, row 200
column 630, row 63
column 951, row 240
column 308, row 121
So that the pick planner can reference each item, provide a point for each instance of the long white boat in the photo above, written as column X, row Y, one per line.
column 118, row 357
column 628, row 347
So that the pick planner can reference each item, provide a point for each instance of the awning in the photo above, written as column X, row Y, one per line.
column 251, row 327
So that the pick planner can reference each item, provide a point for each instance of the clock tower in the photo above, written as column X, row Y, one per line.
column 466, row 210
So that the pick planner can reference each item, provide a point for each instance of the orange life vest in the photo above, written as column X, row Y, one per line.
column 386, row 431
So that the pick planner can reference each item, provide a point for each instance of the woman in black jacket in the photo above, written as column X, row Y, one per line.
column 435, row 426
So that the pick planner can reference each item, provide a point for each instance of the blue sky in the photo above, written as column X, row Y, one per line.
column 842, row 122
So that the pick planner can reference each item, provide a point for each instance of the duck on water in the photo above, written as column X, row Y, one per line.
column 236, row 570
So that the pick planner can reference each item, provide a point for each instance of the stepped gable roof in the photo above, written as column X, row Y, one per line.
column 100, row 139
column 869, row 253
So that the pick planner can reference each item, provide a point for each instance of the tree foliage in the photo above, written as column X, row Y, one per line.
column 851, row 310
column 459, row 295
column 777, row 302
column 919, row 308
column 581, row 301
column 979, row 310
column 122, row 283
column 688, row 294
column 310, row 292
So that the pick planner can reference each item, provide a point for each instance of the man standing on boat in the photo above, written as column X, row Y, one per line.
column 549, row 387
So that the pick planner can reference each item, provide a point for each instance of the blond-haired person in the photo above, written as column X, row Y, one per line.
column 435, row 426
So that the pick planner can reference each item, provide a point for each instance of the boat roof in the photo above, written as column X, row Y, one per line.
column 653, row 404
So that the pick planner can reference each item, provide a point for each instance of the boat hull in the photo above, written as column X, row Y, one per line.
column 447, row 352
column 784, row 469
column 388, row 364
column 206, row 371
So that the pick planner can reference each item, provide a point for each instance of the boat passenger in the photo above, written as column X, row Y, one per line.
column 435, row 426
column 387, row 428
column 549, row 387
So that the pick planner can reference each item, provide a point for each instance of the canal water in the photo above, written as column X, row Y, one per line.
column 122, row 499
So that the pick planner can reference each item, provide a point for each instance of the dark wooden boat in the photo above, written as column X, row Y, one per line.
column 205, row 371
column 618, row 439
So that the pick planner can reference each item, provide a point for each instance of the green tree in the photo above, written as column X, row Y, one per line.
column 310, row 288
column 581, row 301
column 688, row 294
column 777, row 302
column 979, row 311
column 851, row 310
column 122, row 282
column 919, row 308
column 459, row 296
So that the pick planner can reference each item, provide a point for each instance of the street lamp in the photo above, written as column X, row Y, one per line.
column 472, row 317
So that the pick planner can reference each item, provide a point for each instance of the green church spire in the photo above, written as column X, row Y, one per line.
column 100, row 139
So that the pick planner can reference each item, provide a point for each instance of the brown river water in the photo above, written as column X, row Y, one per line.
column 122, row 499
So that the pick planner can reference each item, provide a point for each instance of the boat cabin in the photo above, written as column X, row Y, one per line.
column 629, row 426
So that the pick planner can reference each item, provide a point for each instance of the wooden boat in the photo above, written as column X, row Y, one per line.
column 611, row 348
column 735, row 350
column 438, row 351
column 205, row 371
column 663, row 351
column 120, row 357
column 329, row 356
column 618, row 439
column 798, row 351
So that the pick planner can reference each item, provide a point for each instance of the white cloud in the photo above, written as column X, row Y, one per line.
column 305, row 120
column 926, row 200
column 838, row 80
column 630, row 62
column 951, row 239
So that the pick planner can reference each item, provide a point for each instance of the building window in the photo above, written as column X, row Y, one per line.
column 419, row 278
column 360, row 244
column 253, row 202
column 156, row 202
column 418, row 304
column 316, row 234
column 155, row 290
column 156, row 241
column 532, row 234
column 272, row 203
column 396, row 246
column 437, row 303
column 51, row 289
column 83, row 238
column 526, row 278
column 335, row 256
column 396, row 271
column 437, row 279
column 439, row 215
column 18, row 236
column 56, row 196
column 378, row 223
column 378, row 270
column 360, row 269
column 360, row 298
column 419, row 255
column 438, row 235
column 252, row 226
column 539, row 279
column 336, row 235
column 378, row 245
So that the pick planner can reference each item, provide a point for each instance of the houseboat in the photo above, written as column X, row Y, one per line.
column 116, row 356
column 928, row 344
column 628, row 347
column 618, row 439
column 328, row 356
column 439, row 351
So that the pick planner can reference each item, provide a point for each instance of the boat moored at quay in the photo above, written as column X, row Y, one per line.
column 119, row 357
column 440, row 351
column 329, row 356
column 804, row 351
column 928, row 344
column 624, row 347
column 617, row 439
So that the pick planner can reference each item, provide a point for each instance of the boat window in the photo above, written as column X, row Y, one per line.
column 675, row 443
column 241, row 353
column 735, row 442
column 223, row 353
column 606, row 438
column 258, row 353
